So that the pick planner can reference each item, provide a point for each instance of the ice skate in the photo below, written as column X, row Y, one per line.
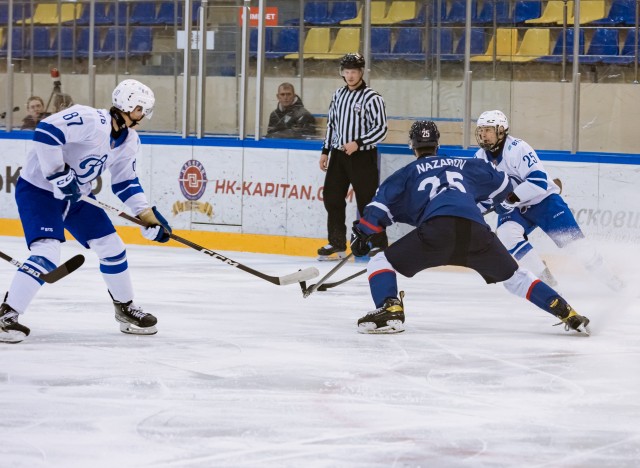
column 387, row 319
column 11, row 331
column 329, row 253
column 133, row 320
column 569, row 317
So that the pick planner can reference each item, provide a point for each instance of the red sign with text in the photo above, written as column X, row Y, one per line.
column 270, row 16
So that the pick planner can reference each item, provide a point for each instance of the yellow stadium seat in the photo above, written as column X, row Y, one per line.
column 316, row 43
column 535, row 43
column 347, row 41
column 47, row 13
column 506, row 40
column 378, row 14
column 553, row 13
column 399, row 11
column 590, row 10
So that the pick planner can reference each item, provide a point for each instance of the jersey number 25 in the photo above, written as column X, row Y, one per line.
column 436, row 184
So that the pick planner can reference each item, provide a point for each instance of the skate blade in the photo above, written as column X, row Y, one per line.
column 11, row 336
column 393, row 326
column 332, row 258
column 131, row 329
column 584, row 328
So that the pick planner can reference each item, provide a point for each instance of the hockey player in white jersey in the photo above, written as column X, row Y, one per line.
column 535, row 202
column 71, row 149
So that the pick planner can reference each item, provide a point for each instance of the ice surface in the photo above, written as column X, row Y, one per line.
column 247, row 374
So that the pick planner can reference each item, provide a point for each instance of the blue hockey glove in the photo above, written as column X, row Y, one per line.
column 159, row 229
column 67, row 182
column 360, row 245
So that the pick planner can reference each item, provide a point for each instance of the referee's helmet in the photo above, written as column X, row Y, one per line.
column 351, row 61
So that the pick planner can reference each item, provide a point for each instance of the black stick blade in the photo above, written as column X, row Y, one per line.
column 63, row 270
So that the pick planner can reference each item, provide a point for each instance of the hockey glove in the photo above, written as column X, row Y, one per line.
column 360, row 245
column 159, row 229
column 508, row 204
column 67, row 183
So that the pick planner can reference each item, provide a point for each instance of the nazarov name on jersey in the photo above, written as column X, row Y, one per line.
column 438, row 163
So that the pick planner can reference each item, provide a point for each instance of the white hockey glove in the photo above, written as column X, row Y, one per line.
column 508, row 204
column 159, row 229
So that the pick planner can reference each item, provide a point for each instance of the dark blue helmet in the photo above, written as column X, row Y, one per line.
column 424, row 134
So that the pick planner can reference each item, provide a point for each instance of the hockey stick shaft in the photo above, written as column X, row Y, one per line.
column 306, row 292
column 302, row 275
column 326, row 286
column 52, row 276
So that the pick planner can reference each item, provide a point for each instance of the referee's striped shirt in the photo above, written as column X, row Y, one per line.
column 357, row 115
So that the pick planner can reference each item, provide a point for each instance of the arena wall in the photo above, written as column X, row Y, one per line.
column 265, row 197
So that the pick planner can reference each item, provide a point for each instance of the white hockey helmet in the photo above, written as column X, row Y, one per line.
column 496, row 120
column 130, row 94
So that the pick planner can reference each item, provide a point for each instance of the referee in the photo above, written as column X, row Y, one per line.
column 357, row 122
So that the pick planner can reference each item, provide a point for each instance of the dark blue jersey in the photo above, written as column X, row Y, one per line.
column 435, row 186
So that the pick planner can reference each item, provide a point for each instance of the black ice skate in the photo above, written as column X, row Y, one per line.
column 569, row 317
column 387, row 319
column 133, row 320
column 11, row 331
column 329, row 253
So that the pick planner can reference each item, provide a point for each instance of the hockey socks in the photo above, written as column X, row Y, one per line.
column 25, row 286
column 382, row 279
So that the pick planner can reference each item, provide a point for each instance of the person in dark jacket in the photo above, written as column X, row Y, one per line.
column 35, row 109
column 290, row 119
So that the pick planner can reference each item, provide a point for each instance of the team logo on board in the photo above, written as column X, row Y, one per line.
column 193, row 179
column 193, row 182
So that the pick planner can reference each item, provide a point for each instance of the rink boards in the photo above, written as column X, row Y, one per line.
column 258, row 197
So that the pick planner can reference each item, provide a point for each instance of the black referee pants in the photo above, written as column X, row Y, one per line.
column 359, row 170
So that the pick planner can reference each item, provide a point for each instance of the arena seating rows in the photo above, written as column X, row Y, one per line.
column 521, row 30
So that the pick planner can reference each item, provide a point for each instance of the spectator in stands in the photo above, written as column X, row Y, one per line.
column 290, row 119
column 35, row 113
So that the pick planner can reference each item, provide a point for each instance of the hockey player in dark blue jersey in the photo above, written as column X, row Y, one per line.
column 439, row 196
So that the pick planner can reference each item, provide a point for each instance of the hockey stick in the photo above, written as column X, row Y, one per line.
column 558, row 182
column 297, row 277
column 326, row 286
column 306, row 292
column 52, row 276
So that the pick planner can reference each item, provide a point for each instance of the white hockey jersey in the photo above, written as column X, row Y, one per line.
column 80, row 136
column 523, row 166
